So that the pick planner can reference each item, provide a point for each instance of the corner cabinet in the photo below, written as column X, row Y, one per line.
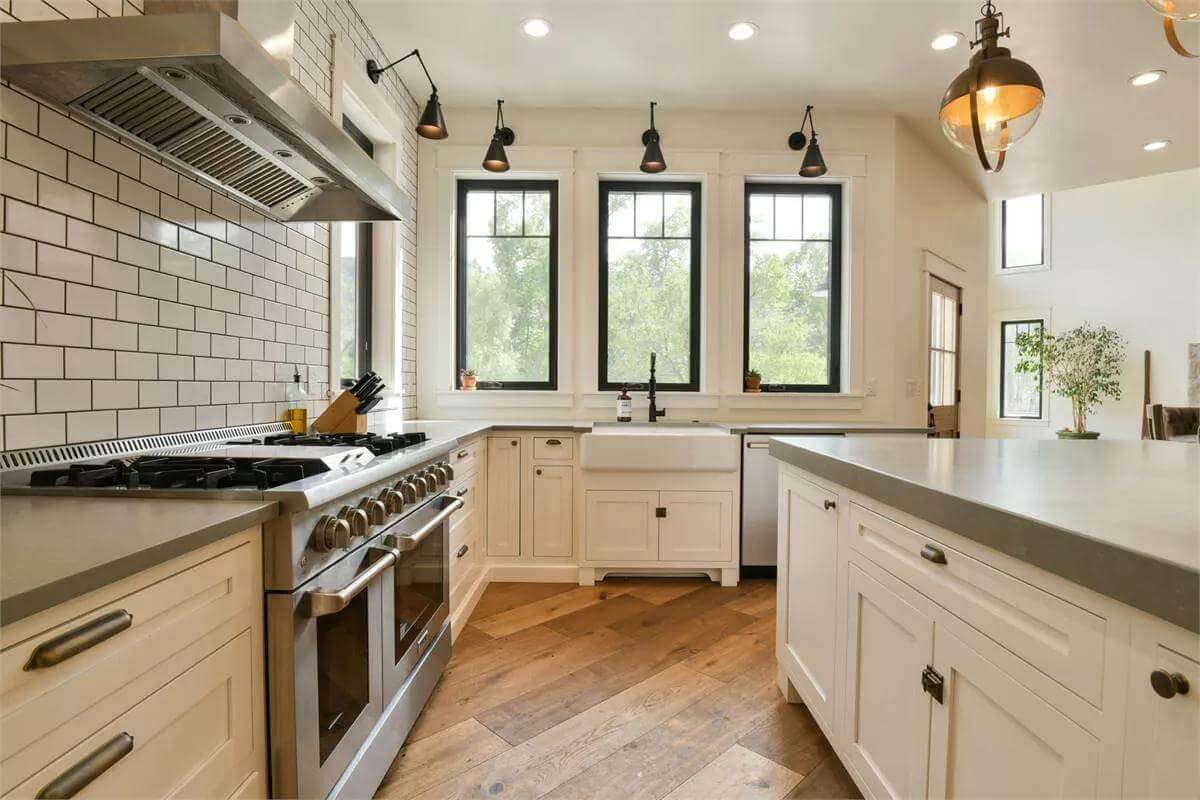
column 504, row 496
column 938, row 667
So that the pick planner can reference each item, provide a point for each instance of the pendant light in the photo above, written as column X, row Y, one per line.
column 652, row 160
column 995, row 101
column 496, row 160
column 1177, row 11
column 431, row 124
column 813, row 165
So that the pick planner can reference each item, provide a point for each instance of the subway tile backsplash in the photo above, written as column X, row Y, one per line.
column 135, row 300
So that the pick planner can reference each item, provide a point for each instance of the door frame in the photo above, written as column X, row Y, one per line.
column 927, row 283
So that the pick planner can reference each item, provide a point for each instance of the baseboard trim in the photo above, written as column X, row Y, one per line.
column 533, row 573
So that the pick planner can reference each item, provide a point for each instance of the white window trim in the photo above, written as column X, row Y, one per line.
column 1013, row 315
column 368, row 106
column 997, row 244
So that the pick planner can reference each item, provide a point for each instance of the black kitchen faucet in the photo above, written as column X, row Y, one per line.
column 655, row 412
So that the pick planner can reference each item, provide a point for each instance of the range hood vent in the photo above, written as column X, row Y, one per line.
column 199, row 92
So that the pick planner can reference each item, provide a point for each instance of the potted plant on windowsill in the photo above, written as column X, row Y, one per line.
column 467, row 380
column 753, row 381
column 1082, row 364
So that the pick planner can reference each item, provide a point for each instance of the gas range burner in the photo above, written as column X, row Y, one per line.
column 378, row 444
column 182, row 472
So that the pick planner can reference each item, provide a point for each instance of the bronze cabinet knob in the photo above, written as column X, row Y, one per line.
column 375, row 510
column 1168, row 684
column 356, row 518
column 393, row 501
column 331, row 533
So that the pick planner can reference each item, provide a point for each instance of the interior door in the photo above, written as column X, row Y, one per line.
column 992, row 737
column 945, row 316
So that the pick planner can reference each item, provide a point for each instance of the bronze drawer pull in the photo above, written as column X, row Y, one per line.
column 462, row 492
column 934, row 554
column 829, row 504
column 92, row 766
column 73, row 642
column 554, row 442
column 463, row 453
column 462, row 551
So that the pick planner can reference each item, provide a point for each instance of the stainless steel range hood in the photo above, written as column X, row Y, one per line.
column 199, row 91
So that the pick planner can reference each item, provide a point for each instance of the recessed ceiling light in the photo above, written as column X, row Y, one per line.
column 1147, row 78
column 536, row 27
column 1157, row 144
column 944, row 41
column 741, row 31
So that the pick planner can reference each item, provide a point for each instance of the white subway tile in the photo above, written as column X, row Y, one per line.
column 64, row 396
column 175, row 368
column 112, row 214
column 34, row 430
column 83, row 363
column 91, row 238
column 177, row 263
column 210, row 321
column 236, row 370
column 250, row 392
column 210, row 273
column 239, row 237
column 195, row 243
column 251, row 349
column 59, row 196
column 263, row 329
column 65, row 132
column 226, row 208
column 158, row 176
column 191, row 343
column 210, row 417
column 114, row 394
column 211, row 226
column 210, row 369
column 117, row 156
column 265, row 412
column 17, row 253
column 56, row 329
column 56, row 262
column 156, row 340
column 136, row 252
column 236, row 325
column 134, row 308
column 275, row 312
column 155, row 284
column 224, row 346
column 239, row 414
column 254, row 264
column 194, row 194
column 137, row 194
column 177, row 211
column 195, row 294
column 31, row 291
column 226, row 254
column 17, row 109
column 137, row 422
column 114, row 335
column 263, row 371
column 20, row 397
column 238, row 281
column 275, row 351
column 137, row 366
column 90, row 301
column 34, row 153
column 160, row 231
column 91, row 426
column 16, row 324
column 182, row 418
column 91, row 176
column 19, row 182
column 193, row 393
column 156, row 393
column 174, row 315
column 113, row 275
column 225, row 300
column 34, row 223
column 252, row 306
column 224, row 392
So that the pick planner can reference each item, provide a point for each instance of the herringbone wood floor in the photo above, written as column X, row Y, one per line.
column 631, row 690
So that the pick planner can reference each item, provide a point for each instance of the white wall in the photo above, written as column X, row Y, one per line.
column 1125, row 255
column 867, row 153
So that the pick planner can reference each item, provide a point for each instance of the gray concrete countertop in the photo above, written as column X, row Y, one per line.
column 1119, row 517
column 53, row 549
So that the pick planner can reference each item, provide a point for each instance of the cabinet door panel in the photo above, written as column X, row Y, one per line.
column 886, row 718
column 992, row 737
column 809, row 623
column 552, row 493
column 698, row 526
column 504, row 496
column 621, row 526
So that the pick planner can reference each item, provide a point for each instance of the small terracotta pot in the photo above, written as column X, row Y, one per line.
column 468, row 382
column 753, row 385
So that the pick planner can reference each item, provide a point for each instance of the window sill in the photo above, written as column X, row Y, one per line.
column 664, row 399
column 506, row 398
column 1018, row 422
column 798, row 400
column 1022, row 270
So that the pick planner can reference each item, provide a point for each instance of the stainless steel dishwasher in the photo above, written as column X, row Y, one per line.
column 760, row 502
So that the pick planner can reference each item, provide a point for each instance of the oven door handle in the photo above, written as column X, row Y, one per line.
column 320, row 604
column 412, row 541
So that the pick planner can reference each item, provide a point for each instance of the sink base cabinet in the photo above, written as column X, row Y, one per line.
column 940, row 668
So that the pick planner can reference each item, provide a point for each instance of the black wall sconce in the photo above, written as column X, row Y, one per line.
column 496, row 160
column 431, row 125
column 813, row 165
column 652, row 160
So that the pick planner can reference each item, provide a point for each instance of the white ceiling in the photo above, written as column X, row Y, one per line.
column 840, row 55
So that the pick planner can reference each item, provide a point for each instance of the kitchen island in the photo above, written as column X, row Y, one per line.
column 1013, row 618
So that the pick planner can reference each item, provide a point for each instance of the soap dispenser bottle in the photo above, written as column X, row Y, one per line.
column 624, row 406
column 296, row 399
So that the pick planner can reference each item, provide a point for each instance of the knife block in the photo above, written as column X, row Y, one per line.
column 341, row 416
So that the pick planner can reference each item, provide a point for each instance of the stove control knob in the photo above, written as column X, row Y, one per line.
column 356, row 518
column 424, row 484
column 393, row 501
column 331, row 533
column 449, row 470
column 420, row 488
column 407, row 490
column 434, row 476
column 375, row 510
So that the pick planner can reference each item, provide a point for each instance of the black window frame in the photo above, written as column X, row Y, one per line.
column 363, row 269
column 1004, row 236
column 464, row 186
column 695, row 189
column 836, row 235
column 1041, row 415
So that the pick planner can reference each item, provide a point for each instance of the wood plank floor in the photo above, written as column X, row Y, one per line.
column 630, row 690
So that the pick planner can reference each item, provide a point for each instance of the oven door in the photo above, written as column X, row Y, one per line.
column 416, row 591
column 326, row 683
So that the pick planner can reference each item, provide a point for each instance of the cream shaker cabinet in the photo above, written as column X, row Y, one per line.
column 504, row 495
column 553, row 524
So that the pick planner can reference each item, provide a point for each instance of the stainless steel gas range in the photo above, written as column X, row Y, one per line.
column 356, row 572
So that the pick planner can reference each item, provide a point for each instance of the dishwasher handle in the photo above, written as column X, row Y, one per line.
column 757, row 445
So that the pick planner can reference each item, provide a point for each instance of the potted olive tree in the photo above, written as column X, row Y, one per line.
column 753, row 381
column 1082, row 364
column 467, row 379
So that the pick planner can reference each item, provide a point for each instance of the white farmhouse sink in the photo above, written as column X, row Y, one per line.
column 659, row 447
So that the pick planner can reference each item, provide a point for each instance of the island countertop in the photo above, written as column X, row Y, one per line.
column 1119, row 517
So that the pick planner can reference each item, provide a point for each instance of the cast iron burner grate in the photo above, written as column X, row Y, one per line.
column 378, row 444
column 182, row 472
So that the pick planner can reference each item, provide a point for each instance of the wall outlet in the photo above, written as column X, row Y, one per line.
column 872, row 387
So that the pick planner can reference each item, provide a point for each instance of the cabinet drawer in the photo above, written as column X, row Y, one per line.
column 461, row 565
column 553, row 448
column 465, row 460
column 174, row 622
column 1061, row 639
column 193, row 738
column 468, row 490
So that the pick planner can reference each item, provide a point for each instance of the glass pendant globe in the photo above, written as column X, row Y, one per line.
column 1182, row 10
column 1009, row 98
